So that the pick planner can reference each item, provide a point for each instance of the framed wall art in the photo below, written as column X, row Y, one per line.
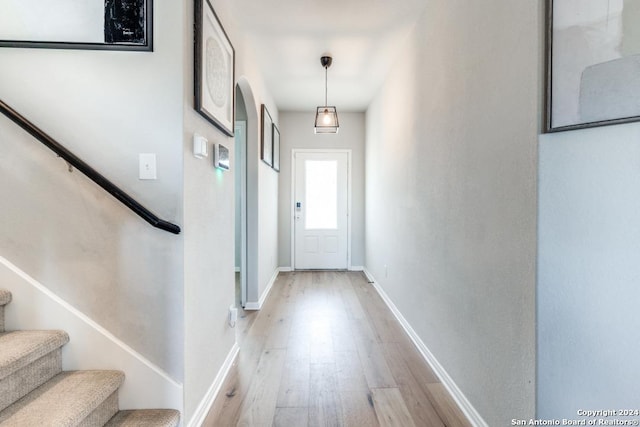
column 593, row 63
column 266, row 139
column 276, row 148
column 69, row 24
column 214, row 59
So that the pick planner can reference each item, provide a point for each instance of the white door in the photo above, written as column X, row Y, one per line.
column 321, row 204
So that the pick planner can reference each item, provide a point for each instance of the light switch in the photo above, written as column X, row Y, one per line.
column 147, row 166
column 200, row 146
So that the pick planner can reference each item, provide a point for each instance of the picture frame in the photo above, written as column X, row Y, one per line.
column 214, row 66
column 266, row 139
column 68, row 24
column 276, row 148
column 592, row 57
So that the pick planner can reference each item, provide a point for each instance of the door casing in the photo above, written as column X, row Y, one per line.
column 293, row 196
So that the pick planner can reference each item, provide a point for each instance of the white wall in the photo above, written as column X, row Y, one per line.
column 209, row 229
column 267, row 226
column 296, row 131
column 33, row 306
column 588, row 270
column 262, row 188
column 64, row 230
column 209, row 243
column 451, row 195
column 166, row 296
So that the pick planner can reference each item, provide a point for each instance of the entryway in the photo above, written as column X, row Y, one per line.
column 321, row 211
column 246, row 187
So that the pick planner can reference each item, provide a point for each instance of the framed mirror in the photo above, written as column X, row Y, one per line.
column 69, row 24
column 593, row 58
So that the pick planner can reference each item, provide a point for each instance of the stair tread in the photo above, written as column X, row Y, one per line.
column 5, row 297
column 65, row 400
column 20, row 348
column 145, row 418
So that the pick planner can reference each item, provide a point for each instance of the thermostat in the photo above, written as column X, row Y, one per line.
column 220, row 157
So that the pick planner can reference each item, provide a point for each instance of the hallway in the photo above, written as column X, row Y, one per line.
column 326, row 350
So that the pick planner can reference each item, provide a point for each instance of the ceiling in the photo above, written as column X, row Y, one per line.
column 290, row 36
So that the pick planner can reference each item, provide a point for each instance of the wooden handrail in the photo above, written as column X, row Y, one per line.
column 91, row 173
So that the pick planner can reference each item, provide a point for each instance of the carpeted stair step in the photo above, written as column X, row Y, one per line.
column 5, row 298
column 145, row 418
column 75, row 398
column 28, row 359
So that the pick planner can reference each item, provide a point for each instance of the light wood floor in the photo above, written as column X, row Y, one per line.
column 326, row 351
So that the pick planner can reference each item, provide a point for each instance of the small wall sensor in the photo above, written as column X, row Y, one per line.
column 233, row 316
column 221, row 157
column 200, row 144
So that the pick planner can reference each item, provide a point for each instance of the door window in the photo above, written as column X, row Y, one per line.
column 321, row 182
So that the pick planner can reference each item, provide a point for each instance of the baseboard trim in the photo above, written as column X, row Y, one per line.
column 285, row 269
column 34, row 306
column 356, row 268
column 258, row 305
column 252, row 306
column 207, row 401
column 369, row 277
column 467, row 408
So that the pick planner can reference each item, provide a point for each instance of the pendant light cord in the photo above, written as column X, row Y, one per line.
column 325, row 85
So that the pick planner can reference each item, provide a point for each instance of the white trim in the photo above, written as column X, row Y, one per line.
column 35, row 307
column 263, row 297
column 292, row 216
column 467, row 408
column 285, row 269
column 241, row 131
column 207, row 401
column 356, row 268
column 252, row 306
column 349, row 152
column 253, row 171
column 368, row 275
column 349, row 205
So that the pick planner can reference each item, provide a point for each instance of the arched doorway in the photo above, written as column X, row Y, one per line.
column 246, row 149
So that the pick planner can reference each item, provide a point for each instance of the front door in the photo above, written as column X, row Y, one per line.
column 321, row 203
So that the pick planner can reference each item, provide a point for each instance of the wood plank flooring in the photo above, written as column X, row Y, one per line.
column 326, row 351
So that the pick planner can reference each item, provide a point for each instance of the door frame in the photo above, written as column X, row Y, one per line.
column 294, row 151
column 240, row 126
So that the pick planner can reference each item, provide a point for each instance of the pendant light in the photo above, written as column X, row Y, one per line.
column 326, row 117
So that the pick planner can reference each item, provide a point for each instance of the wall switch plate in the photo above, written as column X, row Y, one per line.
column 147, row 166
column 200, row 146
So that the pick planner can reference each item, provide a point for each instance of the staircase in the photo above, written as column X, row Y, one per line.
column 34, row 391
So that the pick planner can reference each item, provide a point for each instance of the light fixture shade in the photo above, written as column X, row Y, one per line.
column 326, row 120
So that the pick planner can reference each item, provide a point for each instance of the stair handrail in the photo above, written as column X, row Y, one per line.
column 87, row 170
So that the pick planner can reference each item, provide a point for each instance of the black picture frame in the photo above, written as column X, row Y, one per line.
column 276, row 148
column 214, row 69
column 127, row 26
column 581, row 91
column 266, row 137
